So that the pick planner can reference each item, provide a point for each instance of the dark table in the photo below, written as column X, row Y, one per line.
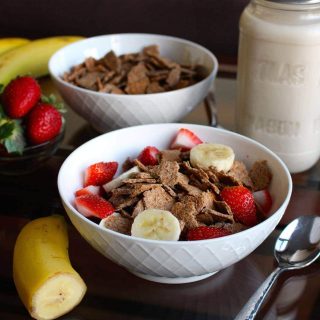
column 114, row 293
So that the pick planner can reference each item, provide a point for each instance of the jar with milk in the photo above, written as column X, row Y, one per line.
column 278, row 84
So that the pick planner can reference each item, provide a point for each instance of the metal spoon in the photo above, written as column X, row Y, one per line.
column 210, row 102
column 297, row 247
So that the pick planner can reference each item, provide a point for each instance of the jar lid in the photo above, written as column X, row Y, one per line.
column 295, row 1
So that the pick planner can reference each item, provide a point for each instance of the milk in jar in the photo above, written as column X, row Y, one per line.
column 278, row 82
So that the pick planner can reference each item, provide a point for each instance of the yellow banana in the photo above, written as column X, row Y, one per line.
column 45, row 280
column 31, row 58
column 7, row 44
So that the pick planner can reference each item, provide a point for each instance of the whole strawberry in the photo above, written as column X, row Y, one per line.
column 241, row 201
column 44, row 123
column 20, row 96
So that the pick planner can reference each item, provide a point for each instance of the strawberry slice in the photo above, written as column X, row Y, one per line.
column 263, row 200
column 185, row 140
column 203, row 232
column 88, row 190
column 91, row 205
column 100, row 173
column 148, row 156
column 241, row 201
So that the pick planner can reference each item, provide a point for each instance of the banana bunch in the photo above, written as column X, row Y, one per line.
column 7, row 44
column 45, row 280
column 20, row 56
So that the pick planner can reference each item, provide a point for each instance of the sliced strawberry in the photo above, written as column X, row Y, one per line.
column 92, row 205
column 185, row 140
column 148, row 156
column 241, row 201
column 100, row 173
column 203, row 232
column 88, row 190
column 263, row 200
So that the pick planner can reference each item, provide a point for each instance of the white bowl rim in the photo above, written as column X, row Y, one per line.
column 180, row 242
column 58, row 78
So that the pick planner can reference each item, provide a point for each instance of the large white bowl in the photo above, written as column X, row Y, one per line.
column 165, row 261
column 107, row 111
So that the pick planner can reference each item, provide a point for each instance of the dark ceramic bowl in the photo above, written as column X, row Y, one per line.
column 31, row 159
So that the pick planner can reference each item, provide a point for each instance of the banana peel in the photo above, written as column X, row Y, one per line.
column 45, row 280
column 31, row 58
column 7, row 44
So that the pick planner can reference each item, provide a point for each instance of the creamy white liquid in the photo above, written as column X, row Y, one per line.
column 278, row 88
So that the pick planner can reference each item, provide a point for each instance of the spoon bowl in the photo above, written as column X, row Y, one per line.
column 298, row 244
column 297, row 247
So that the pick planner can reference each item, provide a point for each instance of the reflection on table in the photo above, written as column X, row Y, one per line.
column 115, row 293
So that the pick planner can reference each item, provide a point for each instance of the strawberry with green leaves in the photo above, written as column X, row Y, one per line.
column 20, row 96
column 44, row 123
column 11, row 135
column 26, row 116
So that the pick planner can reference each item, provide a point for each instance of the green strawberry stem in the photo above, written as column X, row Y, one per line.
column 51, row 99
column 11, row 134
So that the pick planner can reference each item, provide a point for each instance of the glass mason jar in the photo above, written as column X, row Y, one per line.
column 278, row 84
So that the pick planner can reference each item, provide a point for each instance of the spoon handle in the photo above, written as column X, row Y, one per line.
column 251, row 308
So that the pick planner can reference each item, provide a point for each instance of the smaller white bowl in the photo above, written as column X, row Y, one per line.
column 112, row 111
column 170, row 261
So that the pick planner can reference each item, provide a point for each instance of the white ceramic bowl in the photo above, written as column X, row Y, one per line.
column 165, row 261
column 111, row 111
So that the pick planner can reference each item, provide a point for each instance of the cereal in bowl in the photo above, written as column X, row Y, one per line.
column 194, row 190
column 142, row 72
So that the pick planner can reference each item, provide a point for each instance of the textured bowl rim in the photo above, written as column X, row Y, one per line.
column 58, row 78
column 180, row 242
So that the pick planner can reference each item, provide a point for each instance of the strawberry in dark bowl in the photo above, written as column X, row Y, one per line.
column 31, row 126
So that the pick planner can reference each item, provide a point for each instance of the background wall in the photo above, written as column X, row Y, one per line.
column 212, row 23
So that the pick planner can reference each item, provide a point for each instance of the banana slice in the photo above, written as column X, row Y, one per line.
column 205, row 155
column 60, row 294
column 156, row 224
column 115, row 183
